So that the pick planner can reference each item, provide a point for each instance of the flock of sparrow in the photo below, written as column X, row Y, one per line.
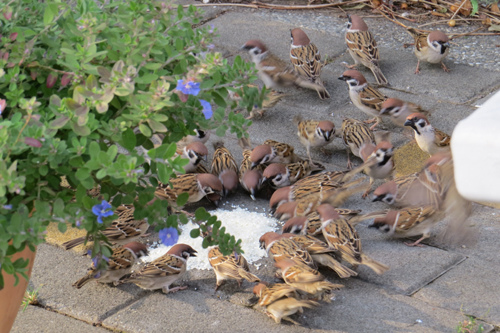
column 317, row 232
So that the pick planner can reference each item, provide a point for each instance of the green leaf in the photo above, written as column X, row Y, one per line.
column 101, row 174
column 157, row 126
column 194, row 233
column 145, row 130
column 58, row 207
column 182, row 199
column 475, row 7
column 201, row 214
column 48, row 15
column 94, row 149
column 218, row 99
column 146, row 79
column 82, row 174
column 43, row 170
column 59, row 122
column 129, row 140
column 169, row 153
column 62, row 227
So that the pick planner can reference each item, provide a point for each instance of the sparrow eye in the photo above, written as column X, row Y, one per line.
column 278, row 178
column 191, row 154
column 421, row 123
column 394, row 111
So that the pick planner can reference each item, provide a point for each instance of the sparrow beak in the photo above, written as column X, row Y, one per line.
column 384, row 110
column 377, row 198
column 264, row 180
column 254, row 165
column 410, row 123
column 343, row 78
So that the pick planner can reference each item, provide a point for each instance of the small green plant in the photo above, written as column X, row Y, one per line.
column 469, row 325
column 30, row 297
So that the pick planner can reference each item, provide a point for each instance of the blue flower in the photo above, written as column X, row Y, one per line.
column 207, row 109
column 102, row 210
column 188, row 87
column 169, row 236
column 8, row 207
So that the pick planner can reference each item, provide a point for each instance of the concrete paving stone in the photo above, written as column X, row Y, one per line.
column 54, row 273
column 471, row 287
column 39, row 320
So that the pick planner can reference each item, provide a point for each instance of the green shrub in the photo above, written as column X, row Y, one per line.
column 83, row 81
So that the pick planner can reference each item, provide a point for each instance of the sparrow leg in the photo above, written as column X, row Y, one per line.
column 309, row 154
column 371, row 121
column 146, row 235
column 446, row 69
column 417, row 70
column 376, row 123
column 291, row 320
column 345, row 64
column 187, row 213
column 217, row 285
column 167, row 290
column 417, row 243
column 406, row 45
column 369, row 188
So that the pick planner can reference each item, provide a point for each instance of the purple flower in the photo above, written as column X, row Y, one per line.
column 3, row 104
column 207, row 109
column 8, row 207
column 188, row 87
column 169, row 236
column 102, row 210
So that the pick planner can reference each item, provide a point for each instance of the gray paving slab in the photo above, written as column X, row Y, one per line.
column 39, row 320
column 54, row 273
column 471, row 287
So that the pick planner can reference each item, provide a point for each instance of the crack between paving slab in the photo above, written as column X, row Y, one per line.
column 437, row 276
column 122, row 306
column 48, row 308
column 202, row 22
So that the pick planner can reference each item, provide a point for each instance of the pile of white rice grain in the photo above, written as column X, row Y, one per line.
column 239, row 222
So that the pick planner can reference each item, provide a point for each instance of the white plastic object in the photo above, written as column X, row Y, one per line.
column 475, row 145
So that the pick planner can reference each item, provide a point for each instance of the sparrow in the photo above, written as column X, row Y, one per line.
column 311, row 224
column 434, row 186
column 307, row 279
column 195, row 152
column 321, row 253
column 222, row 160
column 429, row 139
column 408, row 222
column 306, row 60
column 378, row 162
column 364, row 96
column 279, row 301
column 233, row 266
column 119, row 265
column 162, row 272
column 196, row 185
column 123, row 230
column 342, row 236
column 314, row 133
column 398, row 110
column 273, row 152
column 281, row 175
column 199, row 136
column 280, row 248
column 224, row 166
column 269, row 293
column 280, row 196
column 431, row 47
column 274, row 71
column 363, row 48
column 250, row 179
column 355, row 134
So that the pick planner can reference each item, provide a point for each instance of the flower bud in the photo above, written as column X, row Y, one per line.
column 51, row 80
column 32, row 142
column 66, row 78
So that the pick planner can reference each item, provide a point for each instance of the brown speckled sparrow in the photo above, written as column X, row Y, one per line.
column 364, row 96
column 195, row 152
column 280, row 248
column 306, row 60
column 408, row 222
column 233, row 266
column 322, row 254
column 273, row 152
column 306, row 279
column 123, row 230
column 199, row 136
column 197, row 185
column 119, row 265
column 342, row 236
column 429, row 139
column 398, row 110
column 314, row 133
column 250, row 179
column 309, row 224
column 356, row 134
column 362, row 47
column 224, row 166
column 162, row 272
column 378, row 162
column 281, row 175
column 431, row 47
column 279, row 301
column 275, row 72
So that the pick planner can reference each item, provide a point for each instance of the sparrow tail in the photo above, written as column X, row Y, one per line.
column 329, row 261
column 379, row 76
column 377, row 267
column 248, row 276
column 72, row 243
column 83, row 281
